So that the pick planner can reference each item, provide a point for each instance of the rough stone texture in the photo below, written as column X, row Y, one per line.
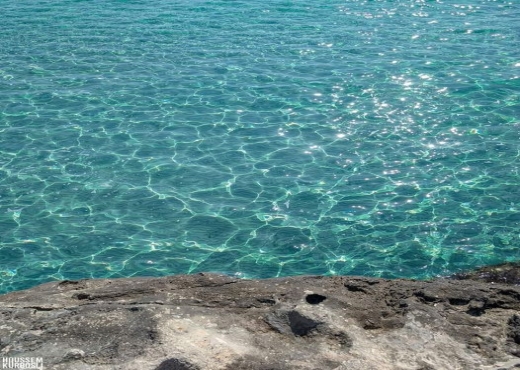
column 209, row 321
column 506, row 273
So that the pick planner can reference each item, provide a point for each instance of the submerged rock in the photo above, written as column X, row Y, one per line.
column 209, row 321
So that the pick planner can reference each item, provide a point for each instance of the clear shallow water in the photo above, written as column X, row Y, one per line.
column 257, row 138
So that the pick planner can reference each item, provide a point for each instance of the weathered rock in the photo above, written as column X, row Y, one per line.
column 506, row 273
column 208, row 321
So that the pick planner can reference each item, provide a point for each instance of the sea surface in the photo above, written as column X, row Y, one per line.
column 257, row 138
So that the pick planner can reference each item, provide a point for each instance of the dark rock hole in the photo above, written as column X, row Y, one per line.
column 82, row 296
column 458, row 301
column 475, row 311
column 355, row 288
column 315, row 298
column 427, row 298
column 175, row 364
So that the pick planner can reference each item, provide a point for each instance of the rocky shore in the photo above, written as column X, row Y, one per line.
column 209, row 321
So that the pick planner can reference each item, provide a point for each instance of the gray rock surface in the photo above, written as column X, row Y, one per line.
column 209, row 321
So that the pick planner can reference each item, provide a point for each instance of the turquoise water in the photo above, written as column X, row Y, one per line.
column 257, row 138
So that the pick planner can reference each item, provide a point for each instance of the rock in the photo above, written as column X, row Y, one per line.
column 506, row 273
column 216, row 322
